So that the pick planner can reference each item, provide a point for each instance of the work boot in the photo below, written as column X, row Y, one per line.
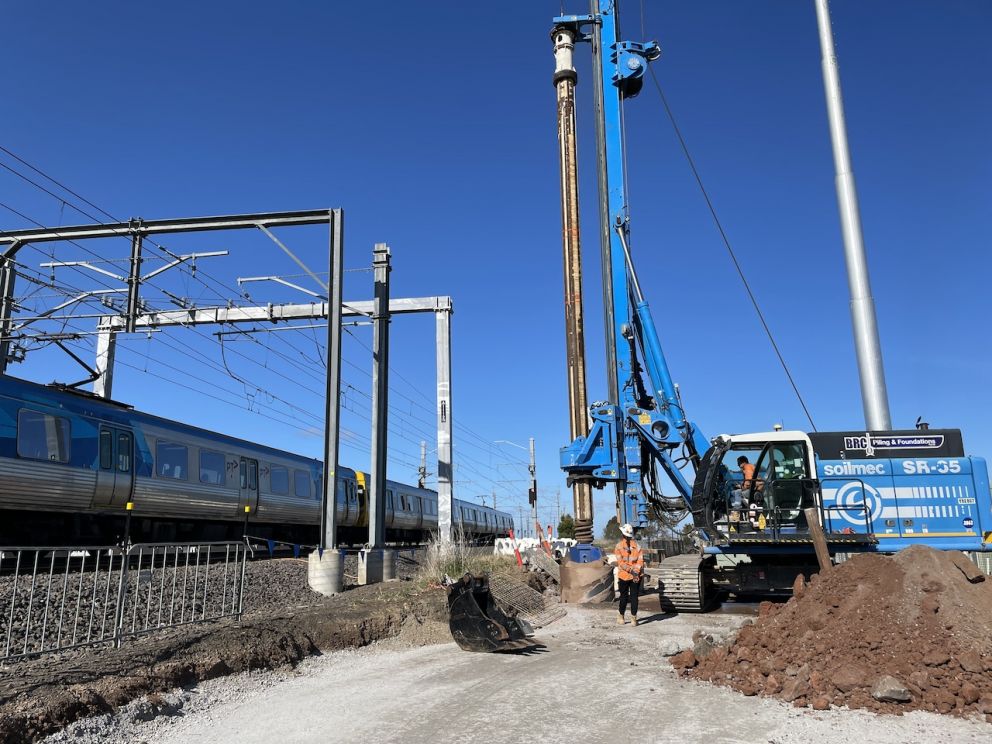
column 620, row 620
column 633, row 620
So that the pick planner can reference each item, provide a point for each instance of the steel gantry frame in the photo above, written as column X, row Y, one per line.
column 442, row 307
column 134, row 320
column 138, row 230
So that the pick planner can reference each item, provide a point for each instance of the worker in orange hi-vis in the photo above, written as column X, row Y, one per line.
column 630, row 569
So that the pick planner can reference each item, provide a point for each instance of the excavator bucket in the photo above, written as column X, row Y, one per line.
column 478, row 624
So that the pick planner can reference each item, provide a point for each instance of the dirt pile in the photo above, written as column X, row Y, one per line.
column 889, row 634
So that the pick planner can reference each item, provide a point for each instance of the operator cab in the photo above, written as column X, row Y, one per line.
column 728, row 505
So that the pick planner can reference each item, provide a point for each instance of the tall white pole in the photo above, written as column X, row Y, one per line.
column 444, row 455
column 868, row 348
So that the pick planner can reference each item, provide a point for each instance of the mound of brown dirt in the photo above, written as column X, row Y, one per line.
column 913, row 631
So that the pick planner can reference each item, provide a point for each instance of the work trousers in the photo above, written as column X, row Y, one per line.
column 629, row 590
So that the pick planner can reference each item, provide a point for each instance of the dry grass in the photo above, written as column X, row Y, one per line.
column 457, row 558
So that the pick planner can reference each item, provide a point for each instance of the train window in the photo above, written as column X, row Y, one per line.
column 213, row 468
column 171, row 460
column 278, row 480
column 106, row 450
column 42, row 437
column 243, row 472
column 123, row 452
column 301, row 484
column 253, row 475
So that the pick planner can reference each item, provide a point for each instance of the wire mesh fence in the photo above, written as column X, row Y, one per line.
column 60, row 598
column 533, row 606
column 667, row 547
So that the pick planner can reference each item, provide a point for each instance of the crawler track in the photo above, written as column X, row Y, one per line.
column 683, row 584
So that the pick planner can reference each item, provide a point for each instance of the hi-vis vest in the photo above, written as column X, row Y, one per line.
column 630, row 561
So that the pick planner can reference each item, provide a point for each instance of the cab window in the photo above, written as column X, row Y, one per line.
column 784, row 461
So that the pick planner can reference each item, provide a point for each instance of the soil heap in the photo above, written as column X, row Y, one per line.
column 912, row 631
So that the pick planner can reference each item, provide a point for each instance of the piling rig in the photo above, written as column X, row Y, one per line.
column 870, row 490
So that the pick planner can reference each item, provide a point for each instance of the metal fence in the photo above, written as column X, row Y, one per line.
column 59, row 598
column 667, row 547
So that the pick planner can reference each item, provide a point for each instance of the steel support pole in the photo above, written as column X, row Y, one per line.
column 605, row 223
column 874, row 395
column 8, row 277
column 564, row 80
column 332, row 405
column 134, row 280
column 532, row 469
column 422, row 470
column 106, row 352
column 380, row 396
column 444, row 461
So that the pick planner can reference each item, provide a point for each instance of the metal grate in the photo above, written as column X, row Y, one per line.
column 59, row 598
column 531, row 605
column 546, row 563
column 983, row 561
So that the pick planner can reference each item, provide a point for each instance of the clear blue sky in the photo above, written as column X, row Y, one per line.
column 433, row 126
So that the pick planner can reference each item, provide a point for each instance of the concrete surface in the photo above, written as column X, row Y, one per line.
column 592, row 681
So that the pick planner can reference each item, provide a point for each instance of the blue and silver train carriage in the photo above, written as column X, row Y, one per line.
column 69, row 463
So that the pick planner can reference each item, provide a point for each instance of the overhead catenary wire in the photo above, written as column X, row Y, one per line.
column 472, row 439
column 726, row 241
column 485, row 446
column 276, row 415
column 186, row 351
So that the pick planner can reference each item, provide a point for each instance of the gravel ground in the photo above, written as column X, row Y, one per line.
column 589, row 676
column 62, row 608
column 284, row 623
column 74, row 607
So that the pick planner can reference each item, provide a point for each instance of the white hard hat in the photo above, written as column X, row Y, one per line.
column 627, row 531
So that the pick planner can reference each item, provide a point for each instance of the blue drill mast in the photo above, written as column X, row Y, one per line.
column 636, row 426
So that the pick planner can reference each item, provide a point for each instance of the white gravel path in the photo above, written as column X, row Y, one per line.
column 592, row 682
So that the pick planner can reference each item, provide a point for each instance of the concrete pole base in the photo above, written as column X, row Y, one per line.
column 376, row 565
column 325, row 573
column 389, row 565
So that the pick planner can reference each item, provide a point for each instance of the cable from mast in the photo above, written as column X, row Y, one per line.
column 730, row 250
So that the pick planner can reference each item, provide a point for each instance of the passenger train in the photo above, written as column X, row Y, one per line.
column 70, row 463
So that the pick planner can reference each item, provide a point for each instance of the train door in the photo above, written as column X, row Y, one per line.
column 115, row 474
column 358, row 502
column 249, row 484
